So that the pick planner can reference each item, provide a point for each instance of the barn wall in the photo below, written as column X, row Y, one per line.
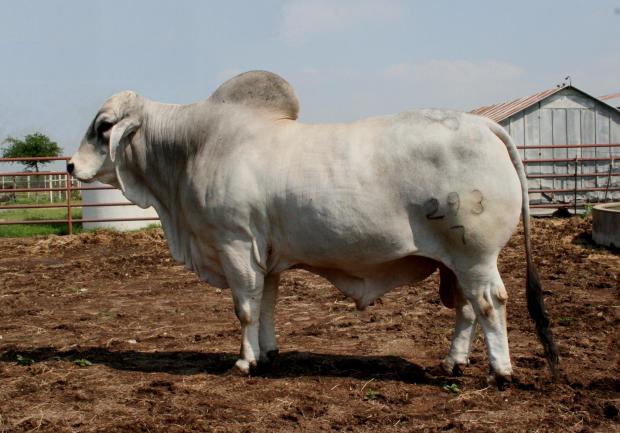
column 569, row 117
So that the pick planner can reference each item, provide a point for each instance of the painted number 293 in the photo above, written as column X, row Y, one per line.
column 453, row 207
column 453, row 203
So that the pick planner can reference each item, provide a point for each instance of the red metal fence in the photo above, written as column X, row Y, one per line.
column 576, row 172
column 70, row 185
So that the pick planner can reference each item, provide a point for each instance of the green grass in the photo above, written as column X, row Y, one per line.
column 40, row 197
column 24, row 230
column 38, row 214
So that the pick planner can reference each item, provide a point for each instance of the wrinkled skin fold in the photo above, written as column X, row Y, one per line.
column 244, row 191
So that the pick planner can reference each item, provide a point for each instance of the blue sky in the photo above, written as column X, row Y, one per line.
column 346, row 59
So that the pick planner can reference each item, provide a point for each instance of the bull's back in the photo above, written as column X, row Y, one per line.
column 416, row 183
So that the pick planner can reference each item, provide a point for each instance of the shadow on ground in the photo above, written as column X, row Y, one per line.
column 288, row 364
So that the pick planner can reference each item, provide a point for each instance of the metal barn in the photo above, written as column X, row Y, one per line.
column 569, row 142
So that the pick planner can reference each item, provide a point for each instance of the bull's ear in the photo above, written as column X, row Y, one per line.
column 119, row 131
column 130, row 184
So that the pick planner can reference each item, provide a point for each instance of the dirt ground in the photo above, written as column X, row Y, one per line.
column 103, row 332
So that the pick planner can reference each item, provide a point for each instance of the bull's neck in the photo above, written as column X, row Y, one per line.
column 171, row 138
column 172, row 128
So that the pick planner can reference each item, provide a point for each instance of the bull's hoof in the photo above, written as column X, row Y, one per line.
column 452, row 368
column 457, row 370
column 502, row 381
column 269, row 357
column 243, row 367
column 446, row 366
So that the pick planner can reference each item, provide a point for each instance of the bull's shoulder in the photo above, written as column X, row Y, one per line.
column 260, row 90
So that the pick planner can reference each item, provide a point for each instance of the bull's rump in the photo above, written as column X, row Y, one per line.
column 381, row 189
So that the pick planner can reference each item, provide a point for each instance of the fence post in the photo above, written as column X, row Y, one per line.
column 575, row 192
column 69, row 216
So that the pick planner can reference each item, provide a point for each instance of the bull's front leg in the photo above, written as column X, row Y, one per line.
column 466, row 323
column 246, row 281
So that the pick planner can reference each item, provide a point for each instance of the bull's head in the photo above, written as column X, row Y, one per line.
column 104, row 153
column 104, row 141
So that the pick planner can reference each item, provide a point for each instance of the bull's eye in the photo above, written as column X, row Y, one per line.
column 104, row 127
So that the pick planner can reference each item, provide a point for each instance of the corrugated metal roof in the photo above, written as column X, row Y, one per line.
column 499, row 112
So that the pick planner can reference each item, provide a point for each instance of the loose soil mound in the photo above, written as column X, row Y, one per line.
column 103, row 332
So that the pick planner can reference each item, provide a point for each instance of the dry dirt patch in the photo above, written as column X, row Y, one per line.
column 103, row 332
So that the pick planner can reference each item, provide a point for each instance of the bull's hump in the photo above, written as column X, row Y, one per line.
column 261, row 90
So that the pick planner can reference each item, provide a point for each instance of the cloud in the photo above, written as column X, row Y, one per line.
column 301, row 18
column 599, row 76
column 459, row 83
column 344, row 94
column 454, row 72
column 398, row 71
column 465, row 72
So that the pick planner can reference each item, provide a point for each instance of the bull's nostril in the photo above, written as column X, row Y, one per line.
column 70, row 167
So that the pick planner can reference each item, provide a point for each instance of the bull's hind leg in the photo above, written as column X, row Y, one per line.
column 463, row 338
column 482, row 286
column 465, row 326
column 267, row 331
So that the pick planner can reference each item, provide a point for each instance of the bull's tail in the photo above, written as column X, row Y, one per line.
column 535, row 302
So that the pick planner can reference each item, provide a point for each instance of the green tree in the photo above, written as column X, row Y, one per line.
column 32, row 145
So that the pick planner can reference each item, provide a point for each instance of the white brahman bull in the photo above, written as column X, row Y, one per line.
column 244, row 192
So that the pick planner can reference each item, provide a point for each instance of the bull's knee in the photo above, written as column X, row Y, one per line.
column 243, row 313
